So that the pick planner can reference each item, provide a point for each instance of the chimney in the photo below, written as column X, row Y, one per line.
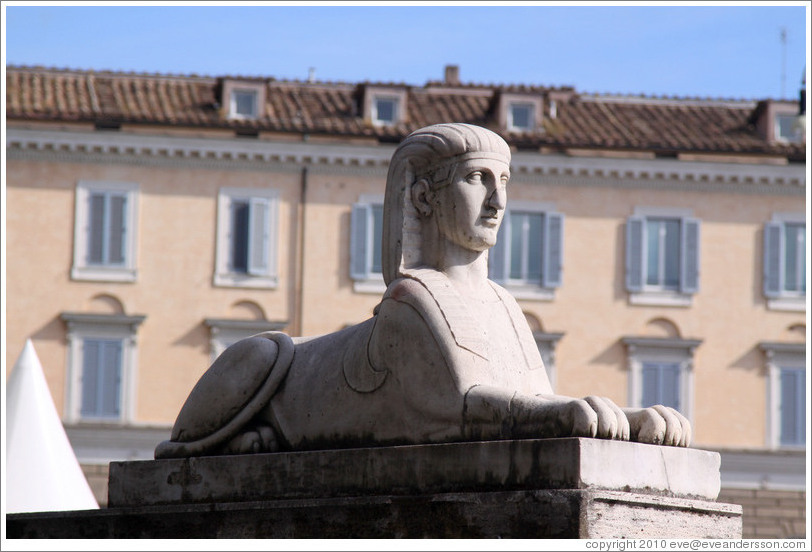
column 452, row 75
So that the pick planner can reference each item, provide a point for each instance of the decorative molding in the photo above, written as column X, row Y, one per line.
column 532, row 168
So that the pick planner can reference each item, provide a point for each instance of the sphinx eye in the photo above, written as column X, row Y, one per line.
column 474, row 177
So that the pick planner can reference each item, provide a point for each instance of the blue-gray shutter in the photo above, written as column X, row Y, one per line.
column 553, row 253
column 689, row 251
column 670, row 386
column 95, row 229
column 116, row 250
column 91, row 353
column 110, row 403
column 650, row 385
column 359, row 241
column 496, row 255
column 258, row 236
column 773, row 259
column 792, row 408
column 634, row 254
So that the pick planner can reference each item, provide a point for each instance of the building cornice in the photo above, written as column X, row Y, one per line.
column 530, row 168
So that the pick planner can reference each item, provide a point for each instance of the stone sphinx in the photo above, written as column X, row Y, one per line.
column 447, row 355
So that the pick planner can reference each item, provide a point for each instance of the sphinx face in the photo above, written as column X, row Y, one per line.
column 470, row 208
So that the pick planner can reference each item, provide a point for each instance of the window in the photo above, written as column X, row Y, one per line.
column 521, row 117
column 246, row 238
column 101, row 366
column 661, row 384
column 528, row 253
column 785, row 262
column 789, row 128
column 661, row 372
column 105, row 231
column 242, row 99
column 546, row 343
column 226, row 331
column 366, row 234
column 385, row 111
column 786, row 394
column 662, row 257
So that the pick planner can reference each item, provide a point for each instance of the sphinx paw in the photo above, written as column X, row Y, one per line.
column 253, row 440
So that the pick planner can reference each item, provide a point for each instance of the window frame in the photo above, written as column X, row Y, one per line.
column 226, row 331
column 84, row 326
column 82, row 268
column 547, row 343
column 361, row 221
column 229, row 100
column 224, row 276
column 552, row 252
column 774, row 277
column 796, row 138
column 641, row 350
column 376, row 120
column 636, row 261
column 530, row 106
column 780, row 356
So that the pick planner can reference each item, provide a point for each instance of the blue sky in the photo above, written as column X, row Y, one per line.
column 718, row 51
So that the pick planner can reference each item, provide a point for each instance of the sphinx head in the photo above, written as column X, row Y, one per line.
column 454, row 174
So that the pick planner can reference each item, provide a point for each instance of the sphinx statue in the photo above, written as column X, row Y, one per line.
column 447, row 355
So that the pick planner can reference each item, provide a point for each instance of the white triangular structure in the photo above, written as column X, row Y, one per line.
column 42, row 473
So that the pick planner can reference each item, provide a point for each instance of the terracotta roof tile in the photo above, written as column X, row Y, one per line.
column 582, row 120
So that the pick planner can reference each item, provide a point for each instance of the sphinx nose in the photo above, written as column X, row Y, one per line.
column 498, row 198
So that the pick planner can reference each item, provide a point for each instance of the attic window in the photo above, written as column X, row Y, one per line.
column 521, row 116
column 244, row 103
column 789, row 128
column 385, row 111
column 519, row 112
column 243, row 99
column 384, row 106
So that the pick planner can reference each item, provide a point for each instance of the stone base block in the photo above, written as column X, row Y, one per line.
column 554, row 488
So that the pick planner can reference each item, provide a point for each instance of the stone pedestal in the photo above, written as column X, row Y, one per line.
column 555, row 488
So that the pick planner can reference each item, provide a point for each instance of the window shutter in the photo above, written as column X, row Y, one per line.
column 670, row 386
column 258, row 236
column 773, row 259
column 651, row 385
column 118, row 229
column 689, row 261
column 110, row 379
column 95, row 230
column 634, row 254
column 553, row 235
column 91, row 351
column 359, row 242
column 790, row 427
column 496, row 255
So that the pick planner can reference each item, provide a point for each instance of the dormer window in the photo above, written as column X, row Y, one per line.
column 243, row 99
column 521, row 117
column 789, row 128
column 519, row 112
column 384, row 111
column 243, row 104
column 384, row 106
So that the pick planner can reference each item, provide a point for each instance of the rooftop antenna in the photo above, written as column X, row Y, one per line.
column 783, row 62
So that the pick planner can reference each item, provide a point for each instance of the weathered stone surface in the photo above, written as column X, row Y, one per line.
column 421, row 469
column 506, row 514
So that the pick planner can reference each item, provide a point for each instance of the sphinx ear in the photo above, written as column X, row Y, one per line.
column 422, row 197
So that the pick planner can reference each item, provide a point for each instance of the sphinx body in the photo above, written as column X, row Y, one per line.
column 447, row 355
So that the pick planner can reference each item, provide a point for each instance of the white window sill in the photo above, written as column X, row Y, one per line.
column 661, row 298
column 792, row 303
column 529, row 292
column 372, row 285
column 103, row 274
column 245, row 281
